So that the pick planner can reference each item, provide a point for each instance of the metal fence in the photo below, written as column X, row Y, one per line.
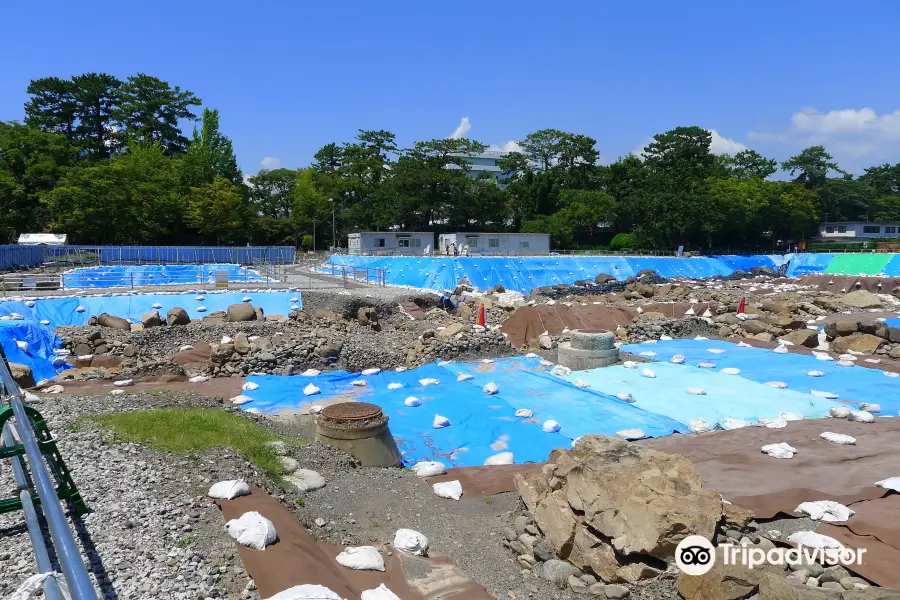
column 42, row 492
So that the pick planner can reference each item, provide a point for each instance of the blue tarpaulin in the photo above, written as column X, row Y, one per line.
column 481, row 425
column 144, row 275
column 41, row 342
column 852, row 384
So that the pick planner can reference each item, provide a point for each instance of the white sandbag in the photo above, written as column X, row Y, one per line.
column 781, row 450
column 395, row 386
column 811, row 539
column 45, row 322
column 448, row 489
column 773, row 423
column 791, row 416
column 706, row 365
column 524, row 413
column 306, row 480
column 123, row 382
column 200, row 298
column 440, row 422
column 295, row 300
column 85, row 357
column 372, row 371
column 311, row 390
column 29, row 303
column 845, row 363
column 730, row 423
column 630, row 364
column 561, row 371
column 504, row 458
column 198, row 379
column 715, row 350
column 890, row 374
column 116, row 392
column 464, row 377
column 245, row 299
column 60, row 361
column 678, row 359
column 412, row 542
column 241, row 399
column 785, row 343
column 250, row 386
column 550, row 426
column 531, row 355
column 226, row 340
column 648, row 353
column 306, row 592
column 824, row 394
column 252, row 530
column 699, row 426
column 379, row 593
column 625, row 397
column 361, row 558
column 891, row 483
column 861, row 416
column 838, row 438
column 779, row 385
column 849, row 357
column 631, row 434
column 649, row 373
column 666, row 338
column 80, row 309
column 582, row 383
column 490, row 389
column 201, row 308
column 357, row 383
column 696, row 391
column 546, row 363
column 316, row 408
column 872, row 408
column 780, row 349
column 34, row 585
column 839, row 412
column 412, row 402
column 428, row 381
column 156, row 305
column 31, row 397
column 311, row 372
column 22, row 345
column 825, row 510
column 228, row 490
column 428, row 468
column 185, row 348
column 730, row 371
column 744, row 345
column 815, row 373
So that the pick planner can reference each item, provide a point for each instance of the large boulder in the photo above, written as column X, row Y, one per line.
column 214, row 318
column 878, row 328
column 241, row 344
column 861, row 299
column 755, row 326
column 861, row 342
column 604, row 278
column 778, row 307
column 450, row 330
column 367, row 316
column 841, row 327
column 151, row 319
column 220, row 353
column 178, row 316
column 107, row 320
column 607, row 505
column 237, row 313
column 260, row 313
column 22, row 375
column 724, row 581
column 803, row 337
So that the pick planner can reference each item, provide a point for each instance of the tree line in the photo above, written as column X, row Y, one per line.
column 106, row 161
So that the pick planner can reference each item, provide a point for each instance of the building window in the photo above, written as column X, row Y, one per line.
column 890, row 229
column 524, row 244
column 379, row 242
column 493, row 243
column 472, row 242
column 871, row 229
column 403, row 242
column 829, row 229
column 842, row 229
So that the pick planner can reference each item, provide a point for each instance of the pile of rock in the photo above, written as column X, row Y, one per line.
column 869, row 337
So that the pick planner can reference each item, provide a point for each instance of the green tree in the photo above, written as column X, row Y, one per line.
column 31, row 162
column 52, row 107
column 811, row 167
column 272, row 192
column 748, row 164
column 586, row 212
column 310, row 206
column 219, row 212
column 210, row 155
column 149, row 110
column 328, row 159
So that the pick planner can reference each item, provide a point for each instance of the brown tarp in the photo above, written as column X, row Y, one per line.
column 523, row 327
column 836, row 283
column 218, row 387
column 297, row 559
column 880, row 560
column 198, row 354
column 486, row 481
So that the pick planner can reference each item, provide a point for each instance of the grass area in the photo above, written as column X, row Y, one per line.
column 182, row 430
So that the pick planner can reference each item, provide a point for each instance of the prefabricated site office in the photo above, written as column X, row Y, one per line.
column 416, row 243
column 495, row 243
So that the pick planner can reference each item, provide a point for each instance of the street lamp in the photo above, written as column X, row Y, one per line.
column 333, row 238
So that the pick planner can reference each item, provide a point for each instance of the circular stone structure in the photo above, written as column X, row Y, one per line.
column 361, row 430
column 588, row 349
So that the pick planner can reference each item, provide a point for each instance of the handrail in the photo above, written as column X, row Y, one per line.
column 74, row 571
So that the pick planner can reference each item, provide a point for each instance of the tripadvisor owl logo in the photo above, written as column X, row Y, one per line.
column 695, row 555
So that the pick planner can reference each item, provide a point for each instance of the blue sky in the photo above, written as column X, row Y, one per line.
column 290, row 76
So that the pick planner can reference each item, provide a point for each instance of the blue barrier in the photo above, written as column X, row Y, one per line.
column 17, row 257
column 145, row 275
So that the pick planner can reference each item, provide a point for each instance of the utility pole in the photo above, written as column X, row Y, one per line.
column 333, row 237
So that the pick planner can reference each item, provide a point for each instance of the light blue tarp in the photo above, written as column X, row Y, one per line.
column 892, row 322
column 745, row 263
column 481, row 425
column 817, row 264
column 143, row 275
column 852, row 384
column 41, row 342
column 61, row 311
column 523, row 274
column 727, row 396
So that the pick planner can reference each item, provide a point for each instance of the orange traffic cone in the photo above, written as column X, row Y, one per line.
column 480, row 320
column 740, row 309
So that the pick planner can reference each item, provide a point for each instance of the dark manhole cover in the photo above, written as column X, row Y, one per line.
column 351, row 411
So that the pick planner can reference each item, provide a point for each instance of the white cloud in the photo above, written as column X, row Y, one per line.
column 510, row 146
column 849, row 132
column 724, row 145
column 462, row 129
column 270, row 162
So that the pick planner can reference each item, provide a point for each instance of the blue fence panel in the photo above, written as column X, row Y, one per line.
column 28, row 256
column 12, row 257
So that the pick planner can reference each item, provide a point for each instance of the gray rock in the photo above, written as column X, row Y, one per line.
column 543, row 551
column 558, row 572
column 615, row 591
column 305, row 480
column 520, row 524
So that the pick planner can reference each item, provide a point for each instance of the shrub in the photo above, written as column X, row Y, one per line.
column 624, row 241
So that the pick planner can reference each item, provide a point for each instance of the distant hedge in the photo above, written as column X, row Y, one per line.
column 624, row 241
